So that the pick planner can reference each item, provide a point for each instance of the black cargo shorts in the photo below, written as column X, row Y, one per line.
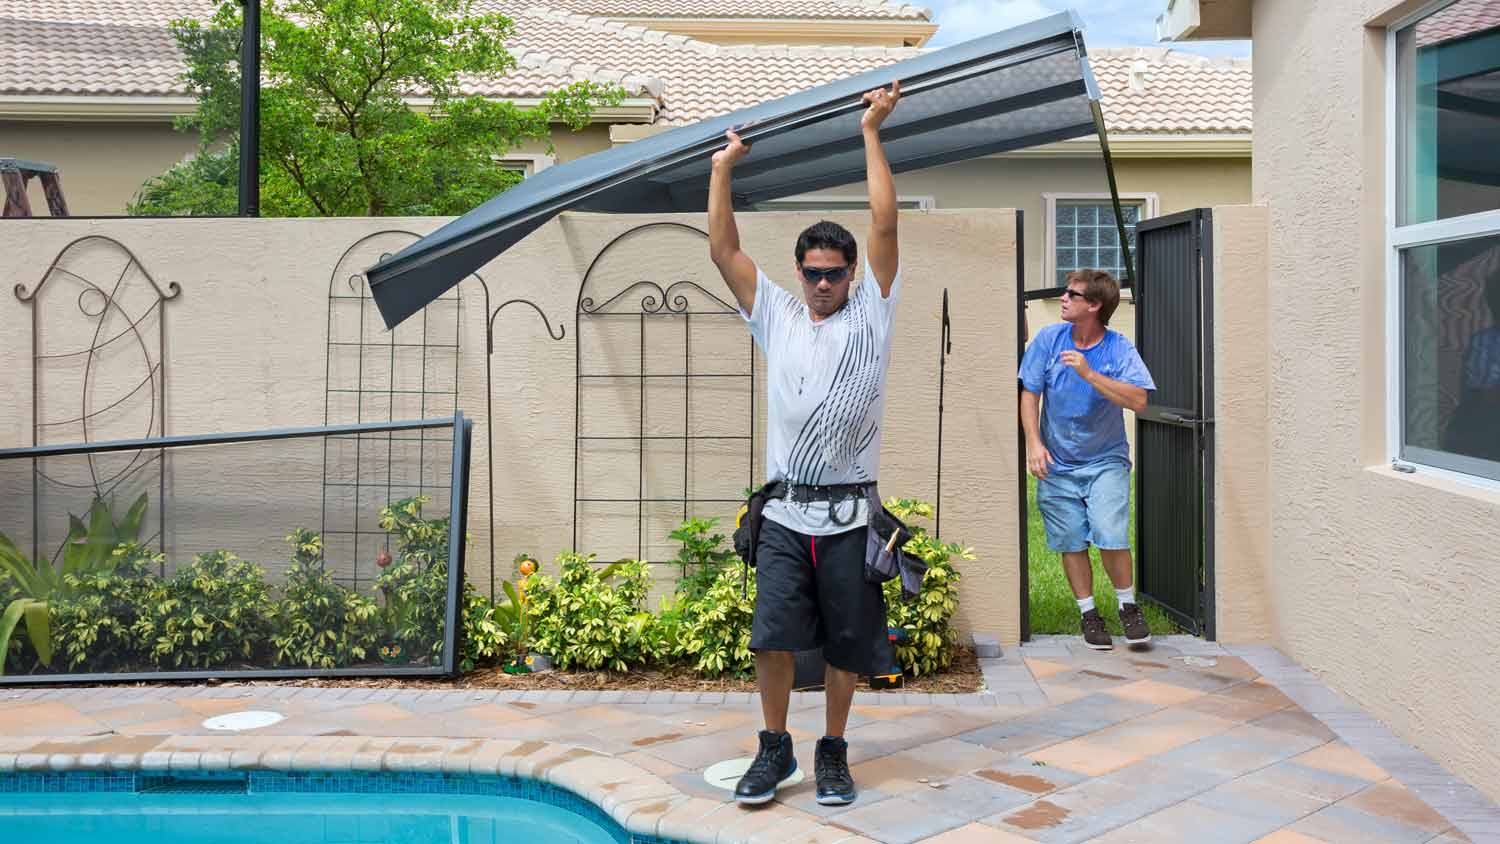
column 810, row 591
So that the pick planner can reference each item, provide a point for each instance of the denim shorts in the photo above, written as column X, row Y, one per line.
column 1086, row 505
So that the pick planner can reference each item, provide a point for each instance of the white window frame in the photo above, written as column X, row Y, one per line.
column 1150, row 208
column 802, row 201
column 1397, row 238
column 529, row 163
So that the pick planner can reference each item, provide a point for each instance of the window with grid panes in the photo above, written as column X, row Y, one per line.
column 1085, row 236
column 1445, row 238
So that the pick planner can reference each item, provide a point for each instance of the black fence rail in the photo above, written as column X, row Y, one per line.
column 246, row 581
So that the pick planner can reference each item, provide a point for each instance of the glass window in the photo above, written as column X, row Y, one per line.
column 1450, row 317
column 1446, row 121
column 1448, row 95
column 1084, row 236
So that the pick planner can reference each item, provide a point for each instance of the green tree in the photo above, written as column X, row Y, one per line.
column 362, row 111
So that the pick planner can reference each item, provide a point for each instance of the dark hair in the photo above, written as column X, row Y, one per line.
column 1492, row 296
column 827, row 235
column 1098, row 286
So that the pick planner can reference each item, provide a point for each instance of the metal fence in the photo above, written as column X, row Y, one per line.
column 246, row 580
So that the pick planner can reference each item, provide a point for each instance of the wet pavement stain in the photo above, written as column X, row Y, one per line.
column 1024, row 782
column 1039, row 815
column 650, row 740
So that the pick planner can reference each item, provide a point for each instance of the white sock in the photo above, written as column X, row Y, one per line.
column 1126, row 595
column 1085, row 604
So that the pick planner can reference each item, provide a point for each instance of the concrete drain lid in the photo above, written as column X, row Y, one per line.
column 1200, row 661
column 247, row 720
column 727, row 774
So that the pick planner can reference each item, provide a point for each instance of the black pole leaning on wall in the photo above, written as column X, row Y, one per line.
column 489, row 400
column 945, row 348
column 250, row 111
column 1114, row 195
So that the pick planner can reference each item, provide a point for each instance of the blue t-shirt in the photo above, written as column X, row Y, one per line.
column 1081, row 427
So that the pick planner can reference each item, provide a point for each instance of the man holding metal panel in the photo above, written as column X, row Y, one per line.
column 827, row 357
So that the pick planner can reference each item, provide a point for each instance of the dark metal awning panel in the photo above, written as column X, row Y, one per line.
column 1022, row 87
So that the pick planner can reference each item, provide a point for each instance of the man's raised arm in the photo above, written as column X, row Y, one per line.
column 885, row 257
column 723, row 236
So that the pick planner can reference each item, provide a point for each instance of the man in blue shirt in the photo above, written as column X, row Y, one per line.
column 1075, row 378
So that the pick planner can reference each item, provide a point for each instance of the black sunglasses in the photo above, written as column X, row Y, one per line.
column 834, row 275
column 1070, row 293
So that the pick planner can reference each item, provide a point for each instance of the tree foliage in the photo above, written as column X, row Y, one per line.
column 363, row 110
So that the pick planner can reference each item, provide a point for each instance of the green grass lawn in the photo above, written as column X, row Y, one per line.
column 1053, row 608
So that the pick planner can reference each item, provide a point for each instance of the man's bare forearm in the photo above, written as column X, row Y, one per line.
column 882, row 184
column 723, row 234
column 1128, row 396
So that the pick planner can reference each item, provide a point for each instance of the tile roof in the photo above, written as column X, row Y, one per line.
column 699, row 79
column 842, row 9
column 1157, row 90
column 117, row 47
column 1464, row 18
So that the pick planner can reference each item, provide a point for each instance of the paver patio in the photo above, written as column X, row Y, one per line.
column 1184, row 741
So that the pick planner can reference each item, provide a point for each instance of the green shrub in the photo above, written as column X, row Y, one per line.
column 319, row 623
column 930, row 639
column 584, row 621
column 215, row 613
column 415, row 585
column 484, row 639
column 88, row 549
column 712, row 630
column 702, row 555
column 416, row 607
column 95, row 622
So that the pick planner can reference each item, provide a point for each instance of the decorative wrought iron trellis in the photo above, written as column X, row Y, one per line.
column 374, row 375
column 121, row 315
column 354, row 290
column 658, row 301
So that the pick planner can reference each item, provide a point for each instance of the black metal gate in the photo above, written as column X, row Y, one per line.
column 1174, row 437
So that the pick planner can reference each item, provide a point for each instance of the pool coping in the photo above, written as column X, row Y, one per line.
column 641, row 802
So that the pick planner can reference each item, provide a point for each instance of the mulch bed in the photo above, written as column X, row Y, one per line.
column 962, row 677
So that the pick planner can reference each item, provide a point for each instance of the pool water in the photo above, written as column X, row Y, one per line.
column 290, row 818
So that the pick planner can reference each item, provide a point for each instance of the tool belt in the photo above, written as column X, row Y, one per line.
column 886, row 538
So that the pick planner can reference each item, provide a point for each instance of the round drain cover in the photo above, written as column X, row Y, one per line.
column 247, row 720
column 727, row 774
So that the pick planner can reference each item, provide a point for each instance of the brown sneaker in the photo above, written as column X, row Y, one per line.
column 1094, row 634
column 1137, row 632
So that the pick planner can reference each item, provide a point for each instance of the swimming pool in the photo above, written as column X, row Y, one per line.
column 269, row 807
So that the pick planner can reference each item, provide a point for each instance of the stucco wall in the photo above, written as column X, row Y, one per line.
column 1242, row 427
column 102, row 164
column 1382, row 583
column 246, row 349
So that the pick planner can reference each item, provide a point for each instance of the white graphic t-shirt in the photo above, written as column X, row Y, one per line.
column 826, row 395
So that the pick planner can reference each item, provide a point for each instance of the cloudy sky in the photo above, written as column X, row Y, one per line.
column 1107, row 23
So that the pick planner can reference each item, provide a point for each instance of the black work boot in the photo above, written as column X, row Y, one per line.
column 772, row 764
column 831, row 765
column 1094, row 634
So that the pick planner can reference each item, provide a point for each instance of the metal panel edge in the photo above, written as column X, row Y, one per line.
column 221, row 439
column 458, row 509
